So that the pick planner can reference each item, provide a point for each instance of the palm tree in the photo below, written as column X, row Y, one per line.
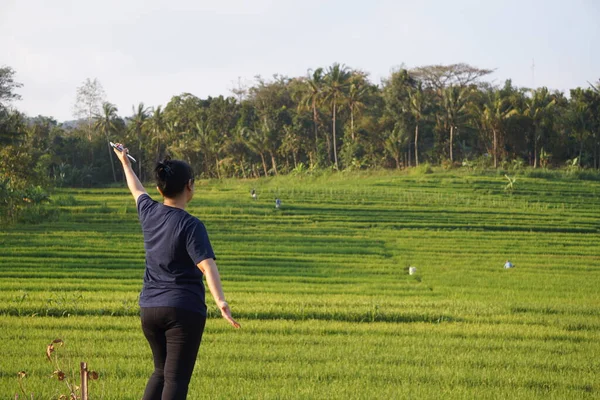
column 356, row 93
column 538, row 108
column 394, row 143
column 259, row 144
column 139, row 121
column 454, row 99
column 157, row 127
column 106, row 124
column 580, row 118
column 416, row 100
column 312, row 98
column 492, row 114
column 211, row 144
column 336, row 87
column 268, row 131
column 291, row 143
column 235, row 144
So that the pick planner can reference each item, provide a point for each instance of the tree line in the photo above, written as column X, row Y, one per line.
column 333, row 117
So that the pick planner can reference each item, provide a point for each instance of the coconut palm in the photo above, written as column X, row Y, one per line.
column 492, row 114
column 394, row 142
column 416, row 99
column 106, row 124
column 357, row 91
column 258, row 143
column 538, row 108
column 291, row 143
column 312, row 97
column 455, row 101
column 157, row 127
column 137, row 125
column 211, row 145
column 235, row 146
column 580, row 117
column 336, row 84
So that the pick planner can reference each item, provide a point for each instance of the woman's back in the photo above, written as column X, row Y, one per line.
column 175, row 242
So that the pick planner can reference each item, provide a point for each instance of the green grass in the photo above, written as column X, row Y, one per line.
column 322, row 290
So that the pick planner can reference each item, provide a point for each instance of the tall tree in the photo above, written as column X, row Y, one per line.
column 357, row 91
column 258, row 142
column 453, row 84
column 455, row 100
column 492, row 114
column 106, row 123
column 89, row 102
column 538, row 108
column 138, row 123
column 336, row 89
column 394, row 143
column 158, row 129
column 396, row 94
column 291, row 143
column 8, row 86
column 581, row 117
column 312, row 98
column 235, row 145
column 416, row 99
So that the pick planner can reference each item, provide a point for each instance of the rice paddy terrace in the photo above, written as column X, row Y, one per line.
column 322, row 290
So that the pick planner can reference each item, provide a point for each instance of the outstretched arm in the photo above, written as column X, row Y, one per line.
column 133, row 183
column 213, row 280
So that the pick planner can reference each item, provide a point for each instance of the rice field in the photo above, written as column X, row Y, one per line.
column 322, row 290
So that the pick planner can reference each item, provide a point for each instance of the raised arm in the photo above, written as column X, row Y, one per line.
column 133, row 183
column 213, row 280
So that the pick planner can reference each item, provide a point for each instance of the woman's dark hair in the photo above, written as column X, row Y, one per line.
column 172, row 176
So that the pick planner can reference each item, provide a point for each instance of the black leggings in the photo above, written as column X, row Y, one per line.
column 174, row 335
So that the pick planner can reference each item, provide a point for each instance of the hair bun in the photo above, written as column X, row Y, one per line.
column 164, row 167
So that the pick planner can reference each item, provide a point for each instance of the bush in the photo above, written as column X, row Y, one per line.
column 422, row 169
column 35, row 195
column 38, row 213
column 65, row 201
column 300, row 169
column 543, row 174
column 587, row 175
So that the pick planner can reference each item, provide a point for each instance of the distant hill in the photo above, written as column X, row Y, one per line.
column 71, row 124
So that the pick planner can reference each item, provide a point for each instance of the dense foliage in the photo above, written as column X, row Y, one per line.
column 331, row 118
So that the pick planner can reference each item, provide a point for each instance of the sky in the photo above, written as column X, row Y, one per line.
column 148, row 50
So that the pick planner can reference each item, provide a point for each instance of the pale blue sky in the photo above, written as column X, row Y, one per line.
column 151, row 50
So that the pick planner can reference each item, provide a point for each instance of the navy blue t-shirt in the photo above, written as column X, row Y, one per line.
column 175, row 243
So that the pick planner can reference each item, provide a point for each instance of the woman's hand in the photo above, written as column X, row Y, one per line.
column 211, row 272
column 226, row 313
column 122, row 155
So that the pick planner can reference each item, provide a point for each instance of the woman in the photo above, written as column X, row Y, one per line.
column 178, row 255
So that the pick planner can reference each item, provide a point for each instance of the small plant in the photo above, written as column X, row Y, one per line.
column 544, row 158
column 573, row 165
column 517, row 164
column 468, row 164
column 300, row 169
column 422, row 169
column 510, row 186
column 20, row 377
column 18, row 301
column 75, row 392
